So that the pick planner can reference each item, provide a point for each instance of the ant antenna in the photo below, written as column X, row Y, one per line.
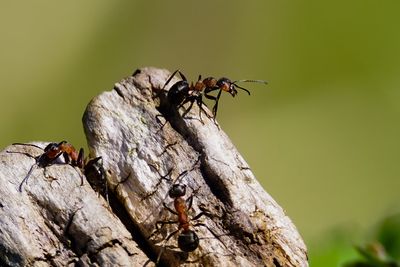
column 23, row 144
column 25, row 180
column 251, row 81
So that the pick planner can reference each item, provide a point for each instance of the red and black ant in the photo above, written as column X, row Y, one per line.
column 188, row 240
column 181, row 92
column 96, row 176
column 64, row 153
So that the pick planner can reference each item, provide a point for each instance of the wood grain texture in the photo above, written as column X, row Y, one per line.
column 146, row 146
column 125, row 127
column 55, row 221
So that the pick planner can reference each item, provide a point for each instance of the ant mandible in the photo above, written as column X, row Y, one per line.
column 181, row 92
column 63, row 153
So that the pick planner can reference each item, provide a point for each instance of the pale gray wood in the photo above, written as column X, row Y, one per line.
column 55, row 221
column 123, row 126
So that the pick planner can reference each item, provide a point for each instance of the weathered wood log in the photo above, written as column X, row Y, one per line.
column 147, row 146
column 56, row 221
column 142, row 137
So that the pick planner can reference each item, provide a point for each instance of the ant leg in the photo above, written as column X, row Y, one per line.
column 168, row 80
column 165, row 177
column 162, row 177
column 216, row 99
column 200, row 103
column 208, row 90
column 122, row 181
column 104, row 183
column 215, row 107
column 79, row 173
column 158, row 120
column 189, row 98
column 171, row 234
column 182, row 76
column 25, row 180
column 209, row 229
column 201, row 214
column 244, row 89
column 184, row 173
column 211, row 97
column 106, row 192
column 172, row 76
column 181, row 175
column 158, row 227
column 168, row 146
column 81, row 159
column 170, row 210
column 158, row 116
column 206, row 94
column 189, row 202
column 189, row 108
column 163, row 247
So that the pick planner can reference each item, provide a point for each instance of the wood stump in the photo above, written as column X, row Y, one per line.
column 147, row 146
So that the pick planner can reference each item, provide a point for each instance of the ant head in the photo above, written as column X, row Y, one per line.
column 227, row 85
column 52, row 147
column 96, row 176
column 94, row 168
column 177, row 190
column 188, row 241
column 96, row 161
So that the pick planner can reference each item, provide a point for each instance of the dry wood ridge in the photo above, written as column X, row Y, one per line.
column 56, row 221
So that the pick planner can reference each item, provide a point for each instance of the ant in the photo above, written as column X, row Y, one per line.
column 63, row 153
column 96, row 176
column 181, row 92
column 54, row 153
column 188, row 240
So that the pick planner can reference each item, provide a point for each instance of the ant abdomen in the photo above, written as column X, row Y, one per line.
column 178, row 92
column 188, row 241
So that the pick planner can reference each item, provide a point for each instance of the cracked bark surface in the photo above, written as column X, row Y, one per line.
column 58, row 222
column 125, row 127
column 55, row 221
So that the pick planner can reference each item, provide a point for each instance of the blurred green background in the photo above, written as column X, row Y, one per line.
column 322, row 137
